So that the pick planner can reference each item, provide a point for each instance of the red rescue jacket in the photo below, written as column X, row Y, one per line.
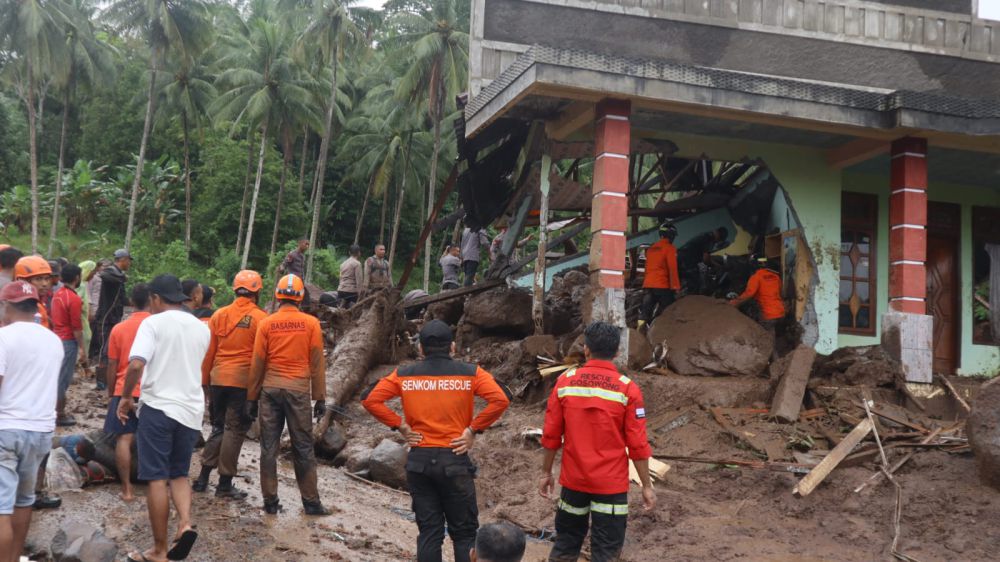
column 594, row 413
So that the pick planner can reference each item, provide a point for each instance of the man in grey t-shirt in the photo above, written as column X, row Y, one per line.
column 472, row 246
column 451, row 265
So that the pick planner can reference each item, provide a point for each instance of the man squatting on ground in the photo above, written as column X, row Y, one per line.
column 597, row 416
column 166, row 355
column 226, row 372
column 288, row 365
column 119, row 345
column 30, row 358
column 438, row 396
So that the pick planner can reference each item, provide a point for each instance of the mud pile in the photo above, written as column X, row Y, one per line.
column 983, row 427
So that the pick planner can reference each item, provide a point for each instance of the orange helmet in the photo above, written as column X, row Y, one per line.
column 290, row 287
column 249, row 280
column 31, row 266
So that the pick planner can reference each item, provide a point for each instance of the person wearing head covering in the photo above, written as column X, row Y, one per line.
column 662, row 280
column 438, row 396
column 88, row 270
column 764, row 288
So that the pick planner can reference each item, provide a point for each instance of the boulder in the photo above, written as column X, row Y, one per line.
column 640, row 351
column 330, row 443
column 448, row 311
column 564, row 302
column 80, row 542
column 500, row 311
column 388, row 464
column 708, row 337
column 356, row 457
column 983, row 429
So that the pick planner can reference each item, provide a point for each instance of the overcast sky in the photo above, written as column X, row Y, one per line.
column 989, row 9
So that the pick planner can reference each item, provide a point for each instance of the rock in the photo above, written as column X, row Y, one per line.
column 707, row 337
column 575, row 351
column 544, row 345
column 563, row 302
column 79, row 542
column 859, row 366
column 448, row 311
column 388, row 464
column 331, row 443
column 640, row 351
column 355, row 457
column 792, row 388
column 501, row 312
column 983, row 429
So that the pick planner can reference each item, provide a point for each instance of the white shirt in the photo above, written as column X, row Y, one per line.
column 30, row 359
column 172, row 344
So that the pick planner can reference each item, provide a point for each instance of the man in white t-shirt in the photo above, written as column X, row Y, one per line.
column 30, row 359
column 166, row 354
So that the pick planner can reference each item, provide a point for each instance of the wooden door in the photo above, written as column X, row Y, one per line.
column 943, row 234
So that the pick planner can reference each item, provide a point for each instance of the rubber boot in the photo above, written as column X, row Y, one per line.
column 315, row 508
column 201, row 483
column 272, row 505
column 226, row 489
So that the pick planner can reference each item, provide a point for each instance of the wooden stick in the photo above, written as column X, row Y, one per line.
column 830, row 462
column 904, row 423
column 874, row 479
column 374, row 484
column 951, row 389
column 775, row 466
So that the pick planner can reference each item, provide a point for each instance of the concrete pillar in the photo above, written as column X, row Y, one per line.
column 609, row 216
column 907, row 332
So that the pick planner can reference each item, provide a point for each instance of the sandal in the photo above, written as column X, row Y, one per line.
column 182, row 546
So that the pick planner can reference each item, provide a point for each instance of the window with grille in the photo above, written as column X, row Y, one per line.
column 858, row 226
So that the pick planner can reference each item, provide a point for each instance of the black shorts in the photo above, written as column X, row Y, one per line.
column 113, row 425
column 164, row 446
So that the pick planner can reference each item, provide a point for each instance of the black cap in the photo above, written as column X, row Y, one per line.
column 168, row 288
column 435, row 334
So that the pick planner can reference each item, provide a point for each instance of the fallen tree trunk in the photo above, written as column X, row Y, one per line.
column 363, row 346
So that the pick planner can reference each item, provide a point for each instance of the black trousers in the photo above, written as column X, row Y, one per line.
column 347, row 300
column 469, row 267
column 443, row 488
column 229, row 429
column 604, row 515
column 656, row 300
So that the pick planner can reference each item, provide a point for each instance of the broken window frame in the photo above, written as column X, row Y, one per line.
column 859, row 215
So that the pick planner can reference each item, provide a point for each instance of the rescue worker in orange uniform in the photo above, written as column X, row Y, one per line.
column 662, row 279
column 37, row 271
column 764, row 287
column 288, row 370
column 225, row 371
column 438, row 396
column 597, row 416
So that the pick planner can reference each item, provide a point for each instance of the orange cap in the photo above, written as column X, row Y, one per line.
column 249, row 280
column 290, row 287
column 31, row 266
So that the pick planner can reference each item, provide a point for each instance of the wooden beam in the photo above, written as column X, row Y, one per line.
column 830, row 462
column 575, row 117
column 454, row 293
column 538, row 296
column 855, row 152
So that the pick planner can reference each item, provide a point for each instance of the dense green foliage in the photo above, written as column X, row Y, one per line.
column 225, row 75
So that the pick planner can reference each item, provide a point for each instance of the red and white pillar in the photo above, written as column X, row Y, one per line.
column 609, row 216
column 908, row 226
column 907, row 331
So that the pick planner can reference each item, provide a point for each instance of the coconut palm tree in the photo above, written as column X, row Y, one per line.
column 187, row 97
column 438, row 69
column 34, row 31
column 263, row 86
column 91, row 62
column 180, row 28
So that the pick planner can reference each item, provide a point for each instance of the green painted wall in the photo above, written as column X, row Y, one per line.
column 975, row 359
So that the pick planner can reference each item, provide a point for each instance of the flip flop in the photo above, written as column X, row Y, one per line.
column 141, row 558
column 182, row 546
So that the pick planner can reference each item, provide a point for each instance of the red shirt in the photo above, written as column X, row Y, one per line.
column 764, row 286
column 594, row 413
column 661, row 267
column 66, row 315
column 119, row 345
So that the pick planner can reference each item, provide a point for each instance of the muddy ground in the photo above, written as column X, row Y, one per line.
column 705, row 512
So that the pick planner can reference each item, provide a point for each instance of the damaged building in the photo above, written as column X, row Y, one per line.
column 857, row 142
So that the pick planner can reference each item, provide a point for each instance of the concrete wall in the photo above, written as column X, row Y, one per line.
column 975, row 359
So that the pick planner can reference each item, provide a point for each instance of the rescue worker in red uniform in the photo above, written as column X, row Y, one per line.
column 662, row 279
column 438, row 397
column 596, row 415
column 764, row 287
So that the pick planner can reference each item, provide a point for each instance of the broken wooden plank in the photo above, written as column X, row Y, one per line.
column 810, row 414
column 792, row 388
column 830, row 462
column 900, row 421
column 454, row 293
column 951, row 389
column 657, row 471
column 875, row 478
column 741, row 436
column 773, row 466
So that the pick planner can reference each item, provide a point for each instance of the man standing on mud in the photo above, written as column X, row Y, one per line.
column 288, row 368
column 167, row 353
column 377, row 274
column 472, row 244
column 226, row 372
column 597, row 416
column 111, row 305
column 662, row 280
column 295, row 262
column 438, row 396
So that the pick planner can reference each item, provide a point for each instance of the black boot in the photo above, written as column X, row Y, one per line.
column 226, row 489
column 315, row 508
column 272, row 505
column 201, row 483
